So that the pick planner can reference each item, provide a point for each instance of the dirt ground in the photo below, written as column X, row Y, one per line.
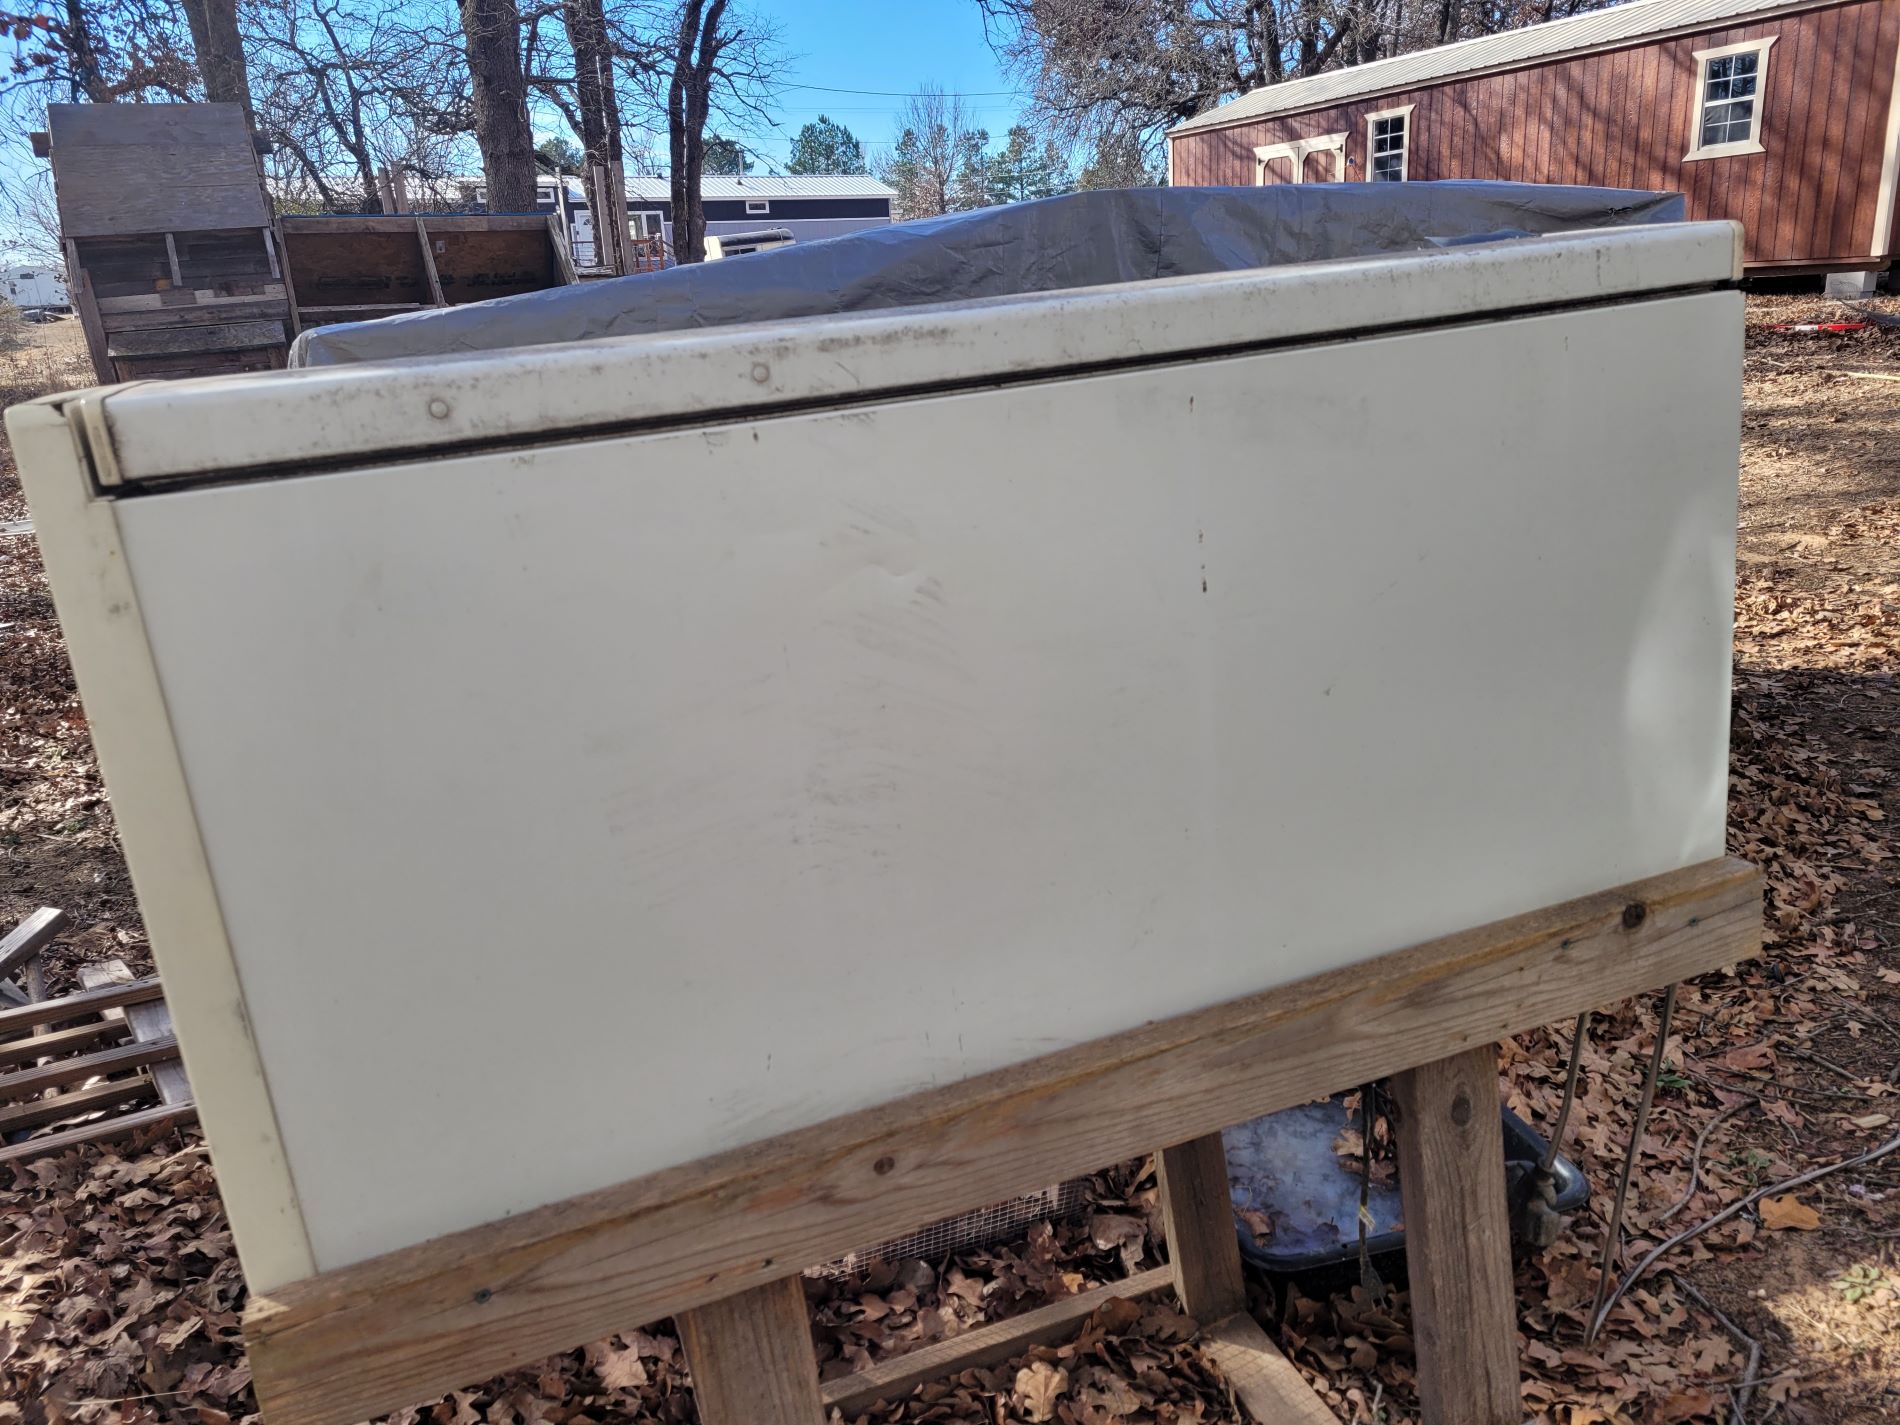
column 119, row 1294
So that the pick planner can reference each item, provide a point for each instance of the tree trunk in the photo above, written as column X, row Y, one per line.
column 87, row 81
column 492, row 32
column 599, row 104
column 214, row 35
column 688, row 100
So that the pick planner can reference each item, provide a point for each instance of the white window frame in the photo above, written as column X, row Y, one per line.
column 1752, row 144
column 1297, row 150
column 757, row 207
column 1405, row 154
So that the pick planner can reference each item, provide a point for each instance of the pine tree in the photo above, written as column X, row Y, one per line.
column 971, row 186
column 724, row 155
column 826, row 147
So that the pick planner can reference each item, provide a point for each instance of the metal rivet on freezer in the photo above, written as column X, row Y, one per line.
column 439, row 408
column 761, row 373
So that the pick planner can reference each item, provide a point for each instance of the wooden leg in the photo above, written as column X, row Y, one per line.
column 1458, row 1240
column 752, row 1359
column 1199, row 1218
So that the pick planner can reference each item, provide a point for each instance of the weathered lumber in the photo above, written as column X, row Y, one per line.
column 1198, row 1216
column 1267, row 1383
column 406, row 224
column 58, row 1041
column 195, row 337
column 201, row 299
column 164, row 1116
column 79, row 1006
column 86, row 303
column 382, row 1334
column 986, row 1345
column 123, row 169
column 111, row 1094
column 29, row 937
column 237, row 311
column 150, row 1023
column 751, row 1357
column 1458, row 1240
column 428, row 263
column 23, row 1082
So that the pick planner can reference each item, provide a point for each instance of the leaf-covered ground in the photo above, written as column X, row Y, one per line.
column 119, row 1293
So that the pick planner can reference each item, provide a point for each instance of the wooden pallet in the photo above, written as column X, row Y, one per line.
column 88, row 1067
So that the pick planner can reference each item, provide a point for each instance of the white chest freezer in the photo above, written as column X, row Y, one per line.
column 546, row 767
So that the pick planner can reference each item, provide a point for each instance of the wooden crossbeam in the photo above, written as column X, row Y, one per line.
column 79, row 1006
column 382, row 1334
column 986, row 1345
column 25, row 1082
column 29, row 937
column 164, row 1116
column 114, row 1093
column 59, row 1042
column 1268, row 1384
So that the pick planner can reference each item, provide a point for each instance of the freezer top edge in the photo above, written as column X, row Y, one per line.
column 297, row 422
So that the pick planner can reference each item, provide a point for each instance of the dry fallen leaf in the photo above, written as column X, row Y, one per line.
column 621, row 1369
column 1788, row 1213
column 1039, row 1386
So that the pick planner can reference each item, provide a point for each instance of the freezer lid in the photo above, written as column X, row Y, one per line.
column 301, row 422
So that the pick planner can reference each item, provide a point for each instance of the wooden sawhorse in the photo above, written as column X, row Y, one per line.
column 719, row 1244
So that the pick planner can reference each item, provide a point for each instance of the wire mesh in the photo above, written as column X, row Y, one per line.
column 986, row 1226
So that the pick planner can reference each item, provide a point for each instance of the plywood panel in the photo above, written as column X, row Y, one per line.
column 1626, row 119
column 809, row 776
column 474, row 266
column 344, row 266
column 153, row 168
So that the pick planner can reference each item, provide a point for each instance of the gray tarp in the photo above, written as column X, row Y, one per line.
column 1080, row 240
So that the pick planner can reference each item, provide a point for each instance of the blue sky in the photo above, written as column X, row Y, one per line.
column 831, row 45
column 878, row 45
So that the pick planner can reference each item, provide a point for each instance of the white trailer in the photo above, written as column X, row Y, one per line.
column 35, row 288
column 573, row 761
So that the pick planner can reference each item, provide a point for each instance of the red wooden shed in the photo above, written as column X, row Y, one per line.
column 1785, row 116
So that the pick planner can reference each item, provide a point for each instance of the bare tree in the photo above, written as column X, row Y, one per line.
column 596, row 93
column 721, row 61
column 498, row 89
column 1100, row 73
column 688, row 101
column 345, row 88
column 936, row 141
column 97, row 51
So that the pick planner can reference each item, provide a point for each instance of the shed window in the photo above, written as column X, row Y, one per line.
column 1728, row 100
column 1388, row 144
column 757, row 205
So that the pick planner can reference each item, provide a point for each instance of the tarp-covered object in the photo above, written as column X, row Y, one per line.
column 1079, row 240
